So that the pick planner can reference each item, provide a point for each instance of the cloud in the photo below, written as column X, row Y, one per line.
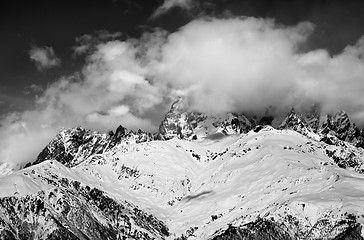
column 23, row 138
column 169, row 4
column 111, row 89
column 33, row 89
column 44, row 57
column 249, row 64
column 193, row 8
column 220, row 65
column 217, row 65
column 112, row 77
column 88, row 42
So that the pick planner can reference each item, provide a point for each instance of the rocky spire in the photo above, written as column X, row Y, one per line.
column 176, row 123
column 295, row 122
column 339, row 125
column 185, row 124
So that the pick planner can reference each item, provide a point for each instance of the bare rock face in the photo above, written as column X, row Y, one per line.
column 123, row 135
column 339, row 125
column 74, row 145
column 176, row 122
column 262, row 229
column 336, row 126
column 296, row 122
column 184, row 124
column 343, row 140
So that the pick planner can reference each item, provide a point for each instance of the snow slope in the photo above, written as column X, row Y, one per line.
column 201, row 188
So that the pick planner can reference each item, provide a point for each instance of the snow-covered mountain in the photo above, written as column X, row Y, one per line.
column 201, row 177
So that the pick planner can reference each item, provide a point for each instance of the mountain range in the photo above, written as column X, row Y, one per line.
column 202, row 176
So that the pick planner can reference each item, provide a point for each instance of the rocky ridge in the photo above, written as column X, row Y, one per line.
column 75, row 145
column 184, row 124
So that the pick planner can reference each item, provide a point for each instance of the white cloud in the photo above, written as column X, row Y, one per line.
column 169, row 4
column 235, row 64
column 249, row 64
column 44, row 57
column 110, row 90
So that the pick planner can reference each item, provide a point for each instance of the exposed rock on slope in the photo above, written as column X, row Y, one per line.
column 344, row 141
column 176, row 122
column 340, row 126
column 297, row 123
column 65, row 208
column 185, row 124
column 75, row 145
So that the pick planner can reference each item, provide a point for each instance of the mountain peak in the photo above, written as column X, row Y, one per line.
column 176, row 122
column 295, row 122
column 73, row 145
column 339, row 125
column 186, row 124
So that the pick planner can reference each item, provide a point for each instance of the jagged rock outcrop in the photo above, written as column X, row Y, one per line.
column 343, row 140
column 72, row 146
column 176, row 122
column 295, row 122
column 333, row 126
column 124, row 135
column 184, row 124
column 339, row 125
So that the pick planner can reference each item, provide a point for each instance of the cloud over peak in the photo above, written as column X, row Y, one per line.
column 44, row 57
column 221, row 64
column 218, row 65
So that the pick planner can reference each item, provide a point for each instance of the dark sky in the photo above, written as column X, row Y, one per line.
column 57, row 23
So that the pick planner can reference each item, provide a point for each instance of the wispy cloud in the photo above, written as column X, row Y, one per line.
column 192, row 8
column 33, row 89
column 88, row 42
column 169, row 4
column 44, row 57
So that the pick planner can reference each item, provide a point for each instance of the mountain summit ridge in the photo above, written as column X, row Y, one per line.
column 202, row 176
